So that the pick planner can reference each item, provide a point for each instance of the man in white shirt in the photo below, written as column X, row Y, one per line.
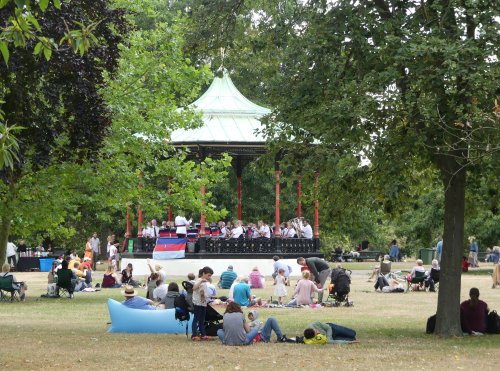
column 155, row 230
column 307, row 230
column 96, row 249
column 11, row 254
column 237, row 230
column 181, row 224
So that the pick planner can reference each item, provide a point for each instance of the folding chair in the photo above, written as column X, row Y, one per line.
column 65, row 284
column 418, row 279
column 7, row 285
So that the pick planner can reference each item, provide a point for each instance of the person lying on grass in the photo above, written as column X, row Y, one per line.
column 236, row 330
column 328, row 333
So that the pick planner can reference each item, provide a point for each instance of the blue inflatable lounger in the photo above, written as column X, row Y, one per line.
column 130, row 320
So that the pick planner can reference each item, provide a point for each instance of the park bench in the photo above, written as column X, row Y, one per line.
column 368, row 255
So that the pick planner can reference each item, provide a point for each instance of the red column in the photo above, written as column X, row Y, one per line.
column 170, row 213
column 238, row 189
column 129, row 225
column 202, row 221
column 139, row 220
column 316, row 205
column 277, row 211
column 299, row 194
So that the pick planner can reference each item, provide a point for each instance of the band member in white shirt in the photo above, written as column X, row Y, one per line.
column 237, row 231
column 307, row 230
column 223, row 229
column 181, row 224
column 290, row 231
column 264, row 230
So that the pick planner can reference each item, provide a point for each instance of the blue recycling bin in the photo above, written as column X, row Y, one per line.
column 46, row 264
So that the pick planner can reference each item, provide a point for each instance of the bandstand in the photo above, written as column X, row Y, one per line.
column 231, row 124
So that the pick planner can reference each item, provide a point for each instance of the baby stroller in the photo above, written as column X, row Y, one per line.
column 212, row 321
column 340, row 286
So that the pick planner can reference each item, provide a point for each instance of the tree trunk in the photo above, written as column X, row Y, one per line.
column 4, row 237
column 448, row 308
column 5, row 218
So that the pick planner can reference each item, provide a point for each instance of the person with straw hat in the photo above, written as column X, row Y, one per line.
column 136, row 302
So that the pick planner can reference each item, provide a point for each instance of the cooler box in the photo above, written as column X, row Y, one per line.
column 46, row 264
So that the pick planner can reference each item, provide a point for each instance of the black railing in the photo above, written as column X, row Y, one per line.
column 213, row 246
column 258, row 246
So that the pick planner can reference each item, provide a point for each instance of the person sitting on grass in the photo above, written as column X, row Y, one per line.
column 20, row 287
column 136, row 302
column 473, row 314
column 304, row 291
column 328, row 333
column 168, row 300
column 127, row 278
column 384, row 268
column 157, row 269
column 110, row 279
column 236, row 331
column 242, row 294
column 227, row 278
column 160, row 291
column 256, row 279
column 152, row 285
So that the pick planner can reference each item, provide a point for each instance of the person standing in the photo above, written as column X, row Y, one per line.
column 22, row 248
column 200, row 301
column 181, row 224
column 96, row 249
column 394, row 252
column 474, row 249
column 320, row 271
column 11, row 254
column 439, row 249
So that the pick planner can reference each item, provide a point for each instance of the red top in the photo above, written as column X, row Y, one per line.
column 108, row 280
column 473, row 317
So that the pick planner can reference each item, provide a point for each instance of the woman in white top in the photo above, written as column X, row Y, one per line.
column 290, row 231
column 417, row 268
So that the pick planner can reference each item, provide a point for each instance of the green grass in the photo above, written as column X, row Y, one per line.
column 70, row 334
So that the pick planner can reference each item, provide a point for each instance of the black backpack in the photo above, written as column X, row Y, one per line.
column 181, row 308
column 493, row 323
column 431, row 325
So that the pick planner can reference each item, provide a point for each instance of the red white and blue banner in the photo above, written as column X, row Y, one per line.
column 169, row 248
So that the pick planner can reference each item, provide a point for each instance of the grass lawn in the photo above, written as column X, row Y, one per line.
column 70, row 334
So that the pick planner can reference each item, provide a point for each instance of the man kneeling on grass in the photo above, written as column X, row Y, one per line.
column 136, row 302
column 328, row 333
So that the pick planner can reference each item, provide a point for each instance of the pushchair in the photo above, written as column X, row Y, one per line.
column 212, row 321
column 339, row 288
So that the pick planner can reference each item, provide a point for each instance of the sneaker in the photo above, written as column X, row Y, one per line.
column 97, row 285
column 206, row 338
column 196, row 338
column 283, row 339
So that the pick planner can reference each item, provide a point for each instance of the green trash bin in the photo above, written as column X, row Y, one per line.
column 130, row 245
column 426, row 255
